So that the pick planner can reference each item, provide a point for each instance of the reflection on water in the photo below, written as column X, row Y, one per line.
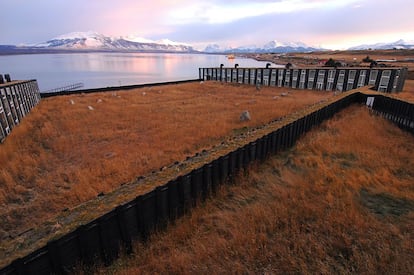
column 112, row 69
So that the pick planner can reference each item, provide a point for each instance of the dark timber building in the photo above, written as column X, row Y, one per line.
column 17, row 98
column 324, row 78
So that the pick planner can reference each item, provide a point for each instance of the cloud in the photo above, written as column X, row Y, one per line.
column 216, row 12
column 235, row 22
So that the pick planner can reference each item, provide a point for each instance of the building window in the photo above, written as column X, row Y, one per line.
column 320, row 80
column 295, row 74
column 246, row 75
column 302, row 79
column 311, row 79
column 341, row 79
column 362, row 76
column 396, row 79
column 385, row 79
column 266, row 77
column 252, row 75
column 228, row 75
column 351, row 79
column 273, row 78
column 280, row 78
column 373, row 77
column 4, row 126
column 259, row 77
column 330, row 81
column 234, row 75
column 287, row 78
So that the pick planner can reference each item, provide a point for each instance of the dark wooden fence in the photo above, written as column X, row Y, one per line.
column 102, row 239
column 398, row 111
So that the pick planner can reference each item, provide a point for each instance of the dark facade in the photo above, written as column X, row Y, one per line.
column 17, row 98
column 325, row 78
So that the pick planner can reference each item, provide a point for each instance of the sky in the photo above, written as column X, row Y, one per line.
column 331, row 24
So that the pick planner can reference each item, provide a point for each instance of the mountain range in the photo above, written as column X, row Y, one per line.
column 270, row 47
column 92, row 41
column 399, row 45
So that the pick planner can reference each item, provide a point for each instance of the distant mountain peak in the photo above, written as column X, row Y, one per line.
column 74, row 35
column 137, row 39
column 276, row 43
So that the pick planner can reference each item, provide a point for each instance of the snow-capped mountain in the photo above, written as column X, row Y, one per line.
column 78, row 40
column 275, row 44
column 97, row 41
column 270, row 47
column 216, row 48
column 137, row 39
column 399, row 44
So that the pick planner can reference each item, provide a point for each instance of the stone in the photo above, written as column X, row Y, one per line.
column 245, row 116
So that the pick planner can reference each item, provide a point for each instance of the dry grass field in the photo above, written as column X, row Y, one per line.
column 408, row 92
column 72, row 148
column 341, row 201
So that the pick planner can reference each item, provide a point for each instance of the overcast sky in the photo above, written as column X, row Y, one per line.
column 334, row 24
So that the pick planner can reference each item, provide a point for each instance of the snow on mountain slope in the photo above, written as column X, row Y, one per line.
column 95, row 41
column 137, row 39
column 75, row 35
column 399, row 44
column 272, row 46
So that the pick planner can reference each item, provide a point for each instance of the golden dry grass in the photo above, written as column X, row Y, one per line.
column 408, row 91
column 64, row 154
column 340, row 202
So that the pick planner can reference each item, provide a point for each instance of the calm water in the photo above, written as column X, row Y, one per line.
column 97, row 70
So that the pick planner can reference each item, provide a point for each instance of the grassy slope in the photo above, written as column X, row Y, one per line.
column 64, row 154
column 408, row 91
column 341, row 201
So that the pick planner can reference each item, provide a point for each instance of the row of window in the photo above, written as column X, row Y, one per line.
column 330, row 79
column 15, row 102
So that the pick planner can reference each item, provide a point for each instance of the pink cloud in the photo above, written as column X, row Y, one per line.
column 143, row 17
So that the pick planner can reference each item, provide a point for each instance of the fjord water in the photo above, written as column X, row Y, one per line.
column 96, row 70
